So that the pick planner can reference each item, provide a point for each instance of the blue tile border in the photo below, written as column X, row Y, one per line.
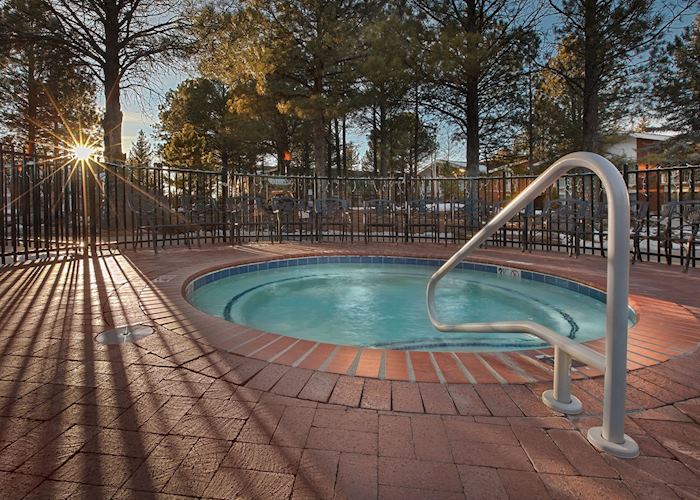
column 556, row 281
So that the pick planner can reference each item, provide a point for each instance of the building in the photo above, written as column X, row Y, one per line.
column 633, row 147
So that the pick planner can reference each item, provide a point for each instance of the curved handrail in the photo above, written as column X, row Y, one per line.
column 613, row 364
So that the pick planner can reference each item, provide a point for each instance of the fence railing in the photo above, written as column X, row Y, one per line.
column 50, row 205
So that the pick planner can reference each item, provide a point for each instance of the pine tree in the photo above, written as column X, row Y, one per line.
column 117, row 41
column 400, row 143
column 46, row 97
column 389, row 74
column 141, row 153
column 302, row 54
column 676, row 91
column 202, row 107
column 185, row 148
column 228, row 47
column 677, row 84
column 557, row 108
column 475, row 68
column 610, row 42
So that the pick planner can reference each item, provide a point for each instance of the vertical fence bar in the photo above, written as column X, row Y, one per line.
column 34, row 204
column 24, row 202
column 3, row 205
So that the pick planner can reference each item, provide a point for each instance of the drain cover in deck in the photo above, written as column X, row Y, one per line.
column 124, row 334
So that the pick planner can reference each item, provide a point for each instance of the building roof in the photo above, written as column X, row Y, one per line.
column 648, row 136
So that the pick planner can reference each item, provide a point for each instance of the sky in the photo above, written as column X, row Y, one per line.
column 141, row 112
column 135, row 120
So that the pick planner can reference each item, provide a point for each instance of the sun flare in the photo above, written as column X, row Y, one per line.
column 82, row 152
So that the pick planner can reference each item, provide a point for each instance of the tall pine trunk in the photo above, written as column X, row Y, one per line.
column 338, row 157
column 319, row 130
column 279, row 153
column 32, row 103
column 306, row 156
column 591, row 83
column 416, row 124
column 281, row 141
column 375, row 139
column 281, row 150
column 345, row 151
column 472, row 122
column 530, row 125
column 329, row 148
column 224, row 180
column 320, row 141
column 382, row 139
column 112, row 121
column 474, row 27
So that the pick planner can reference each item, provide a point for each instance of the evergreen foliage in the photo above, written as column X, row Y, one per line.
column 607, row 45
column 297, row 80
column 677, row 82
column 199, row 122
column 141, row 153
column 46, row 96
column 475, row 66
column 119, row 42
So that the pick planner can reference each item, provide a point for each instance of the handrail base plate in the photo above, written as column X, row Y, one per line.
column 628, row 449
column 574, row 407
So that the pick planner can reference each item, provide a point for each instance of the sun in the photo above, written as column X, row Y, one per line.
column 82, row 152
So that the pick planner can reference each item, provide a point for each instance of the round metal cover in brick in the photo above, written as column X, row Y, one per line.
column 124, row 334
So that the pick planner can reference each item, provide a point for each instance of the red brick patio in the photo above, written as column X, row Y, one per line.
column 192, row 411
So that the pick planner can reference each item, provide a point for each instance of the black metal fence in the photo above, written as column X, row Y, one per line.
column 52, row 205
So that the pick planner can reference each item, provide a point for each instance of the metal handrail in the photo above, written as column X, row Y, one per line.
column 610, row 437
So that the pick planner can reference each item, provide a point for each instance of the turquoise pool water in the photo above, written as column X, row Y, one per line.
column 383, row 305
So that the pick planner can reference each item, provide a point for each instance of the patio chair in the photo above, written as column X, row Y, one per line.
column 333, row 214
column 249, row 214
column 490, row 211
column 152, row 215
column 465, row 218
column 678, row 224
column 208, row 212
column 527, row 226
column 639, row 211
column 291, row 217
column 380, row 214
column 568, row 218
column 204, row 214
column 690, row 219
column 422, row 220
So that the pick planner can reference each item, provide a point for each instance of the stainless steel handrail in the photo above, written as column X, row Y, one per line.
column 610, row 437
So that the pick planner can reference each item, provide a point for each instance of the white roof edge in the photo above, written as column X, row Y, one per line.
column 653, row 136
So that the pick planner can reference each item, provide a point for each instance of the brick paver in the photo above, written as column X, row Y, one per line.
column 179, row 415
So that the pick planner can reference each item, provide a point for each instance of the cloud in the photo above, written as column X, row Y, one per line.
column 137, row 118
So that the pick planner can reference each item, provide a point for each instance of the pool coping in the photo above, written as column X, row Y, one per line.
column 645, row 346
